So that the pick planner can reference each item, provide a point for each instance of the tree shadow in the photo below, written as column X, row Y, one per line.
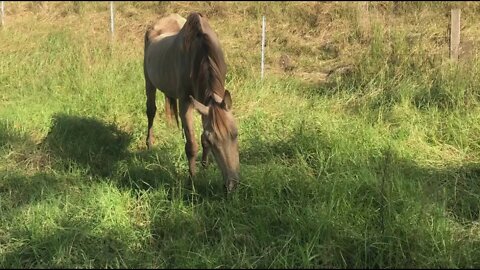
column 302, row 142
column 148, row 169
column 457, row 188
column 74, row 243
column 88, row 142
column 453, row 188
column 25, row 248
column 162, row 167
column 101, row 150
column 18, row 190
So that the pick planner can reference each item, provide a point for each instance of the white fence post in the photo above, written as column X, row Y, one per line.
column 2, row 13
column 263, row 46
column 112, row 22
column 454, row 34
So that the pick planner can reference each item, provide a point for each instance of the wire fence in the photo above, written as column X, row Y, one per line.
column 112, row 19
column 454, row 29
column 2, row 13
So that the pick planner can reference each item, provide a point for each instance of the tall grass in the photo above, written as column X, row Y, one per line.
column 377, row 168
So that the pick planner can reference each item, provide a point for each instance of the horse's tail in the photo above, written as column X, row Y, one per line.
column 147, row 35
column 171, row 110
column 147, row 42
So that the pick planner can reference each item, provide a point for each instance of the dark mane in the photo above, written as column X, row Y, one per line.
column 208, row 66
column 220, row 122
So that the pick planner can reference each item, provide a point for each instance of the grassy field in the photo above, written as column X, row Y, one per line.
column 375, row 166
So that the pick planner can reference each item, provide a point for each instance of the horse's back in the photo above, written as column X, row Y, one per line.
column 168, row 25
column 160, row 38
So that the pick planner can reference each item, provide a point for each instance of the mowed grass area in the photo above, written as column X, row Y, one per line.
column 375, row 168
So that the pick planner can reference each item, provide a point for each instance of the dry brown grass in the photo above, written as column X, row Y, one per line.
column 316, row 36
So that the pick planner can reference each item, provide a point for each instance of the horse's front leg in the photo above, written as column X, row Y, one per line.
column 205, row 152
column 191, row 146
column 205, row 147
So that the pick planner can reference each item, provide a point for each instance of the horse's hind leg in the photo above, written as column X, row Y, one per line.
column 171, row 111
column 151, row 92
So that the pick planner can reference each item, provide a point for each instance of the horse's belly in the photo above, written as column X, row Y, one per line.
column 163, row 79
column 160, row 72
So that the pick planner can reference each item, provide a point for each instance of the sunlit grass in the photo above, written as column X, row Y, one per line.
column 377, row 168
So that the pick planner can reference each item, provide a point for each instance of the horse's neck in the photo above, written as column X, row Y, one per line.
column 213, row 87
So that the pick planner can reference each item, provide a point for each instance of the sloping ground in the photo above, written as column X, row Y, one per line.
column 315, row 37
column 378, row 168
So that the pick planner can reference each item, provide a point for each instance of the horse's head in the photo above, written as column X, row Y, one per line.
column 220, row 135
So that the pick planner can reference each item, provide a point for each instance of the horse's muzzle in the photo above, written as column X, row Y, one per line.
column 232, row 182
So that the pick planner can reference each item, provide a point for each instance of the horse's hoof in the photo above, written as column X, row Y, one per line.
column 149, row 144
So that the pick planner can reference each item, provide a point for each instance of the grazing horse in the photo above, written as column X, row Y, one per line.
column 184, row 60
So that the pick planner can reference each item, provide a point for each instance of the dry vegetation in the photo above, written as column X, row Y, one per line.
column 361, row 150
column 316, row 37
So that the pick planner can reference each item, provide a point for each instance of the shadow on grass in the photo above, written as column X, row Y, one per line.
column 454, row 188
column 18, row 190
column 161, row 167
column 457, row 187
column 303, row 142
column 93, row 145
column 148, row 169
column 74, row 243
column 101, row 150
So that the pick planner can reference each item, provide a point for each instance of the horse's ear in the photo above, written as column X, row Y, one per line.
column 227, row 101
column 202, row 109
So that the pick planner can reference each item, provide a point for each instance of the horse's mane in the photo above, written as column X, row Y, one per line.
column 208, row 65
column 221, row 123
column 208, row 69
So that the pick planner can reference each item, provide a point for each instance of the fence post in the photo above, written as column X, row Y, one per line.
column 2, row 13
column 454, row 34
column 112, row 22
column 263, row 46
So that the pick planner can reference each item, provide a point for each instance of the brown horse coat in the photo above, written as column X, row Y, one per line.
column 184, row 60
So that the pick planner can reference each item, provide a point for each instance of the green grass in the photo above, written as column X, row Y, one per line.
column 377, row 168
